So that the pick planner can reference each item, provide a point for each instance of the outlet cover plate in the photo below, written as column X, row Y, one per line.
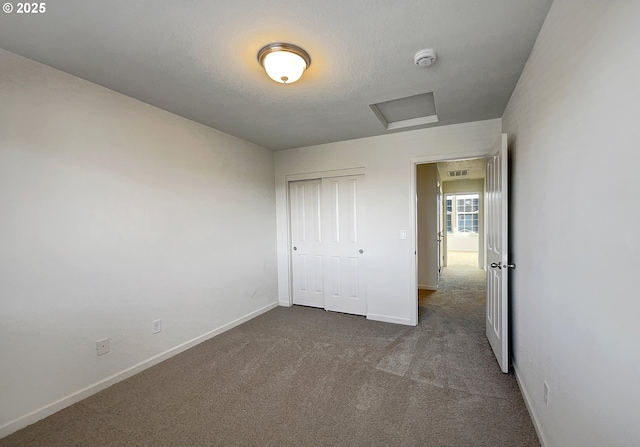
column 156, row 326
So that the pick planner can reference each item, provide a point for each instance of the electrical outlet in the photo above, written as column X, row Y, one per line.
column 102, row 346
column 157, row 326
column 546, row 393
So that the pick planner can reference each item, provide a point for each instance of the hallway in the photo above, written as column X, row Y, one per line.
column 454, row 317
column 462, row 283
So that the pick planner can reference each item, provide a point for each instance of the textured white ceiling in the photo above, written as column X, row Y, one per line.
column 198, row 58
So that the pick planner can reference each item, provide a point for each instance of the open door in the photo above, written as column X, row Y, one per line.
column 439, row 226
column 497, row 323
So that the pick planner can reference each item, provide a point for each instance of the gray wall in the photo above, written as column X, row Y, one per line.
column 573, row 134
column 114, row 214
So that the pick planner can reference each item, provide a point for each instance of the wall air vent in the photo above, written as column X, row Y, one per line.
column 411, row 111
column 460, row 173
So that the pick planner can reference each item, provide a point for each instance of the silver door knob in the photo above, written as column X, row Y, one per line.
column 295, row 248
column 496, row 265
column 361, row 251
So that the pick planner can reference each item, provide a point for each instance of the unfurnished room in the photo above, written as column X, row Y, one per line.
column 302, row 223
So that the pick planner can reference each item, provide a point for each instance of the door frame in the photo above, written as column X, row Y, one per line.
column 307, row 176
column 413, row 211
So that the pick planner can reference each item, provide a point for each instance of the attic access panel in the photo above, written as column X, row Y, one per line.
column 406, row 112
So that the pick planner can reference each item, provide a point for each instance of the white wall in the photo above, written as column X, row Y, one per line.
column 391, row 262
column 574, row 134
column 115, row 213
column 462, row 242
column 427, row 188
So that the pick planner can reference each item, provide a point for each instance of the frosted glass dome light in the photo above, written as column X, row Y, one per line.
column 284, row 63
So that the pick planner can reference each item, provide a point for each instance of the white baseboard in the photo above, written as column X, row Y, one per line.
column 71, row 399
column 528, row 403
column 423, row 287
column 284, row 303
column 389, row 319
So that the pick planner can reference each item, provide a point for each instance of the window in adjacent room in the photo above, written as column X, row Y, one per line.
column 463, row 217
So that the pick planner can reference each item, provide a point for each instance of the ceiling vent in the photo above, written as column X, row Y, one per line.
column 460, row 173
column 406, row 112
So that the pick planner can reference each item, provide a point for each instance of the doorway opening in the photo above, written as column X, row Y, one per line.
column 451, row 236
column 493, row 254
column 462, row 229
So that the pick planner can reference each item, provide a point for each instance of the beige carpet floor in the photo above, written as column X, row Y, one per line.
column 305, row 377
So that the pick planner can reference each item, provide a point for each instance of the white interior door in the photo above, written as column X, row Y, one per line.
column 344, row 260
column 439, row 234
column 327, row 258
column 497, row 323
column 307, row 243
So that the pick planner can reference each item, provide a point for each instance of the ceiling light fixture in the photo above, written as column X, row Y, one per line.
column 284, row 62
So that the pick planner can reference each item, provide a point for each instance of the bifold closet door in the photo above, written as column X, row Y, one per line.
column 344, row 253
column 307, row 243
